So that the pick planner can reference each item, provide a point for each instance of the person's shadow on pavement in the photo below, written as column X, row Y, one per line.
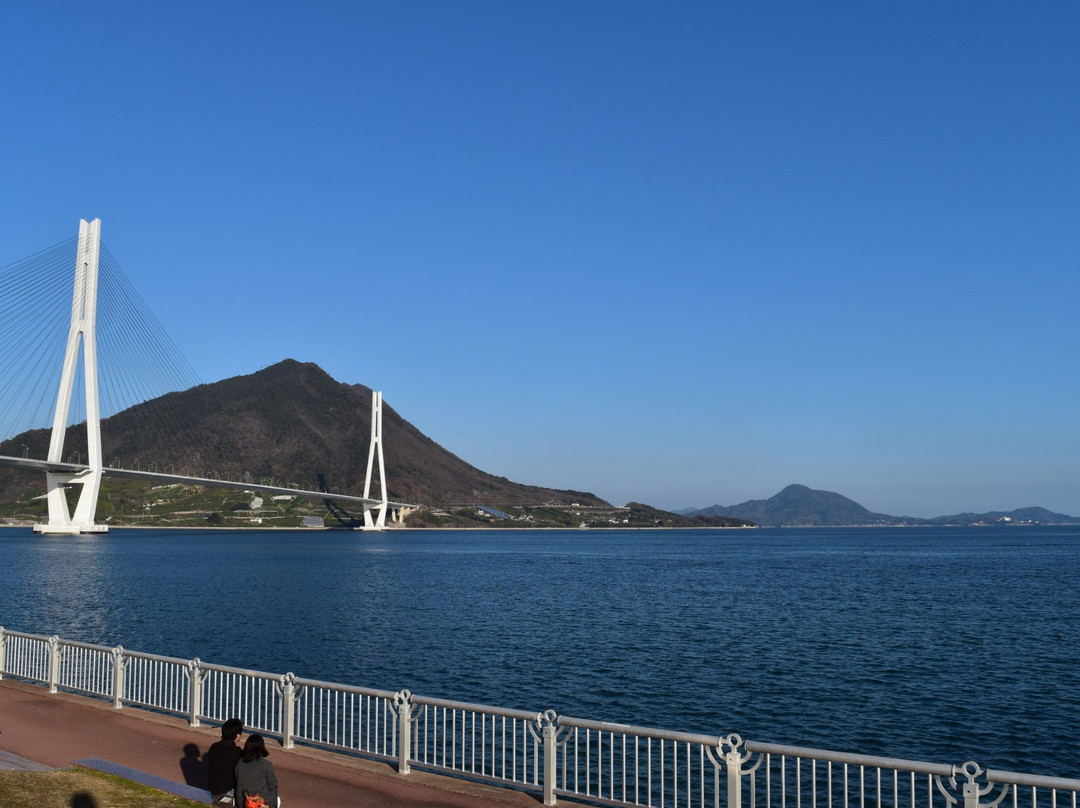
column 194, row 767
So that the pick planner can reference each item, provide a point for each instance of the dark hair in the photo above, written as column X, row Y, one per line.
column 231, row 728
column 254, row 748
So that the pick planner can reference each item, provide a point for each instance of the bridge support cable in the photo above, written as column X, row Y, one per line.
column 34, row 318
column 137, row 340
column 137, row 360
column 82, row 335
column 141, row 365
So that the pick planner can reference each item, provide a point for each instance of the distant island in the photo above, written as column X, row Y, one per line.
column 801, row 506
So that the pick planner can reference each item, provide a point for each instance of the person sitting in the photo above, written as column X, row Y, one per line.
column 221, row 760
column 255, row 774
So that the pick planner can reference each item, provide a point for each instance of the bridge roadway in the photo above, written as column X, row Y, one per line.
column 56, row 730
column 164, row 479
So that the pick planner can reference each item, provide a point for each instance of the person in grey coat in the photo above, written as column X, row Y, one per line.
column 255, row 774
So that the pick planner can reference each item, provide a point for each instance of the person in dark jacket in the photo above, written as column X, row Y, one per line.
column 255, row 774
column 221, row 760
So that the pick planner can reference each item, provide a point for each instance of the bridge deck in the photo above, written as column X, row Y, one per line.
column 139, row 474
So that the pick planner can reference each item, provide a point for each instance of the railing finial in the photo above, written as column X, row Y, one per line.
column 54, row 662
column 546, row 729
column 971, row 789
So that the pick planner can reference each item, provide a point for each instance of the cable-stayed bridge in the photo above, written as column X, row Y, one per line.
column 45, row 377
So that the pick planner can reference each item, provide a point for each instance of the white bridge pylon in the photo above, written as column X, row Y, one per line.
column 81, row 334
column 376, row 443
column 60, row 476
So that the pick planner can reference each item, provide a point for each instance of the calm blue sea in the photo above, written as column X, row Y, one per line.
column 926, row 643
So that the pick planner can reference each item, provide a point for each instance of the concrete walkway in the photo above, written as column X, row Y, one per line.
column 54, row 730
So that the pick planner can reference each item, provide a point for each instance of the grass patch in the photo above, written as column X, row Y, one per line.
column 81, row 788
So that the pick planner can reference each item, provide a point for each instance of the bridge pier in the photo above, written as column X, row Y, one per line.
column 60, row 519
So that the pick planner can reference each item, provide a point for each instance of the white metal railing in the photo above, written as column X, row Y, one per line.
column 355, row 719
column 83, row 668
column 558, row 756
column 619, row 764
column 796, row 776
column 483, row 743
column 256, row 698
column 27, row 656
column 154, row 682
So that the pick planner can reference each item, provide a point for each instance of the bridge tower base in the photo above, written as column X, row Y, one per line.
column 81, row 334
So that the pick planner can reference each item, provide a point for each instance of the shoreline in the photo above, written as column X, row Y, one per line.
column 261, row 529
column 113, row 528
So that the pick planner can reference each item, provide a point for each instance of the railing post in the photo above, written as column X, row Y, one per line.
column 3, row 647
column 971, row 794
column 403, row 708
column 288, row 710
column 119, row 662
column 545, row 728
column 548, row 721
column 195, row 692
column 54, row 662
column 734, row 779
column 731, row 753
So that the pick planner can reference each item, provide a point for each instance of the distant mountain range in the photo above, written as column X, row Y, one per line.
column 291, row 424
column 800, row 506
column 294, row 424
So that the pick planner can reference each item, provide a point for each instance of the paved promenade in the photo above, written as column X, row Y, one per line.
column 55, row 730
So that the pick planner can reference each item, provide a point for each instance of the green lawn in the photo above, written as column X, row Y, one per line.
column 80, row 788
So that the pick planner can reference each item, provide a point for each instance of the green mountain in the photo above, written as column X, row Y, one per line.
column 800, row 506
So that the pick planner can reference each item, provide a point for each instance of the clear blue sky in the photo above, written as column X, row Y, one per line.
column 679, row 253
